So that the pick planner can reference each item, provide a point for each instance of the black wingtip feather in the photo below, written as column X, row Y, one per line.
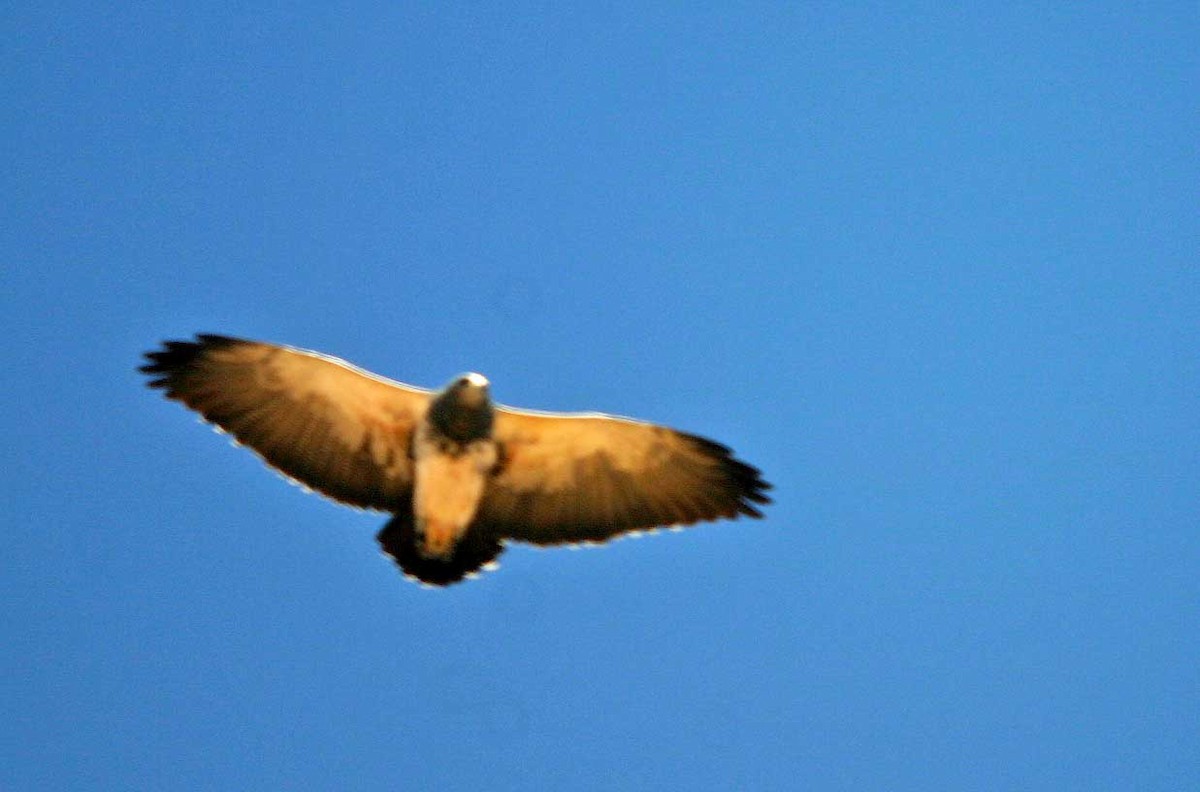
column 176, row 357
column 746, row 480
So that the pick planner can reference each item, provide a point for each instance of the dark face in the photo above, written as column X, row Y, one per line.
column 462, row 412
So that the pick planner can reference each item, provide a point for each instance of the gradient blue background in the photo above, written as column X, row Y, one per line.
column 934, row 269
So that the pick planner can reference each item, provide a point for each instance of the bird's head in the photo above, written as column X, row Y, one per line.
column 470, row 390
column 462, row 411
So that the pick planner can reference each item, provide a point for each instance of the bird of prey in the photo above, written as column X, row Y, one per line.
column 460, row 474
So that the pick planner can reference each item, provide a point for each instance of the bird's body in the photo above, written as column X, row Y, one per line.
column 460, row 474
column 450, row 481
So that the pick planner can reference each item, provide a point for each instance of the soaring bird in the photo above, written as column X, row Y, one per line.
column 460, row 474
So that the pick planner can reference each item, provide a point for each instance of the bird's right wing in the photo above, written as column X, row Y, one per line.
column 567, row 478
column 329, row 425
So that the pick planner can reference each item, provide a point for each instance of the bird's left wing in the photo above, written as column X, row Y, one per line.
column 329, row 425
column 567, row 478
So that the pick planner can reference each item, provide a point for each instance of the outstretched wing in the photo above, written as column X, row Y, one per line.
column 566, row 478
column 329, row 425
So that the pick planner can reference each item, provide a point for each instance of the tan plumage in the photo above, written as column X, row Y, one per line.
column 554, row 478
column 587, row 477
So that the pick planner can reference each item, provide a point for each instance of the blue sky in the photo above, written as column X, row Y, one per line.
column 933, row 269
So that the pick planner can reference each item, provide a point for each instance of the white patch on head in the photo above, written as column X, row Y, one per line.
column 472, row 389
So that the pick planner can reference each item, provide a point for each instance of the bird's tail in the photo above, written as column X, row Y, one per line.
column 475, row 550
